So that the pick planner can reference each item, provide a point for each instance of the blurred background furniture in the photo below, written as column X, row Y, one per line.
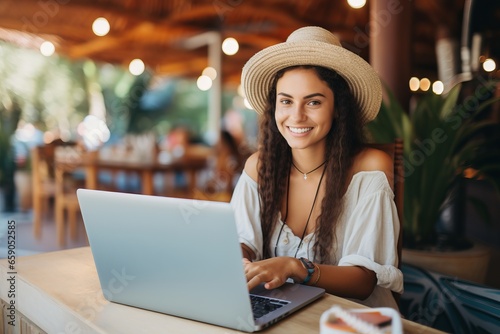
column 190, row 163
column 395, row 151
column 43, row 187
column 68, row 161
column 43, row 178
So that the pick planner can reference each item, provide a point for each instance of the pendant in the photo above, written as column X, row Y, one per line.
column 305, row 176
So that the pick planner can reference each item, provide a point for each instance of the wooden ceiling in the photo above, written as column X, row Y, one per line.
column 153, row 30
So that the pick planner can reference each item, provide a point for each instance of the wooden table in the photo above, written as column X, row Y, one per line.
column 194, row 160
column 146, row 169
column 59, row 292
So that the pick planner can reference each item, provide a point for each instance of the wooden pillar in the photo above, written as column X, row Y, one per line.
column 390, row 42
column 212, row 39
column 215, row 93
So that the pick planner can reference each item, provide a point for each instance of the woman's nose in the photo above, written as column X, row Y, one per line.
column 298, row 112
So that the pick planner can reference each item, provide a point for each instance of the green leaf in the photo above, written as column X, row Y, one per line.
column 388, row 124
column 450, row 101
column 482, row 108
column 478, row 129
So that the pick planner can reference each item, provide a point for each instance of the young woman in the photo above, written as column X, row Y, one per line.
column 313, row 204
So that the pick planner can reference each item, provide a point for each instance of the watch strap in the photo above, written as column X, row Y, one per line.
column 309, row 266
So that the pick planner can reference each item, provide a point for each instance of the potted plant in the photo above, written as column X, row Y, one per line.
column 10, row 113
column 22, row 177
column 444, row 137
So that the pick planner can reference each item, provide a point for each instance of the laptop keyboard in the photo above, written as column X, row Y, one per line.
column 263, row 305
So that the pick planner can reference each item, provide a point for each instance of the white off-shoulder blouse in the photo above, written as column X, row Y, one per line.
column 366, row 234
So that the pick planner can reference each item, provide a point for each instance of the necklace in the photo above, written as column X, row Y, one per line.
column 305, row 174
column 310, row 212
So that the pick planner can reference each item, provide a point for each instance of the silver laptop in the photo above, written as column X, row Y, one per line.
column 180, row 257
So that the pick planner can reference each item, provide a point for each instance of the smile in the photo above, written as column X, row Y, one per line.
column 299, row 130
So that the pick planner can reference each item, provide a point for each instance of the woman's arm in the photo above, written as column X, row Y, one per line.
column 247, row 252
column 345, row 281
column 245, row 204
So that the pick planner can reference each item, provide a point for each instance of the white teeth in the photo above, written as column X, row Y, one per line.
column 299, row 130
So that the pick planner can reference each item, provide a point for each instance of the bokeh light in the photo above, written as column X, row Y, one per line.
column 136, row 67
column 414, row 84
column 489, row 65
column 356, row 3
column 438, row 87
column 101, row 26
column 94, row 132
column 230, row 46
column 210, row 72
column 204, row 83
column 425, row 84
column 47, row 49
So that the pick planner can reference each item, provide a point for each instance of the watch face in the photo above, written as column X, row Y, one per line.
column 308, row 264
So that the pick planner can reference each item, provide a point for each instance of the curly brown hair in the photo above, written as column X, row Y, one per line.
column 343, row 142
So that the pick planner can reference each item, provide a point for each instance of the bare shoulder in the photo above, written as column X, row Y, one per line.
column 251, row 166
column 371, row 159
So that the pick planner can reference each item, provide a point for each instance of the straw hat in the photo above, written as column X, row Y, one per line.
column 312, row 46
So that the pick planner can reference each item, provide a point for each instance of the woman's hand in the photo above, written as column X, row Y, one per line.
column 343, row 281
column 273, row 272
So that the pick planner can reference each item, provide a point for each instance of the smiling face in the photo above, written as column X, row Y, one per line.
column 304, row 108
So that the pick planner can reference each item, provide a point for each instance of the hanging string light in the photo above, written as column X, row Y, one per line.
column 204, row 82
column 210, row 72
column 437, row 87
column 230, row 46
column 47, row 49
column 136, row 67
column 101, row 26
column 356, row 3
column 489, row 65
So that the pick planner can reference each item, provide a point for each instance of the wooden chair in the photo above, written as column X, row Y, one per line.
column 43, row 178
column 43, row 185
column 67, row 161
column 395, row 151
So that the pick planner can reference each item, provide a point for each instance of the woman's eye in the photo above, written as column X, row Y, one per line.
column 285, row 101
column 314, row 103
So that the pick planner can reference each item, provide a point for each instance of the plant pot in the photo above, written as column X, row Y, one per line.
column 470, row 264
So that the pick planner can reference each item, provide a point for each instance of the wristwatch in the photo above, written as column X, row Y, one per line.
column 309, row 266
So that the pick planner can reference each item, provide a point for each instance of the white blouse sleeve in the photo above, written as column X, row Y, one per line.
column 371, row 235
column 246, row 206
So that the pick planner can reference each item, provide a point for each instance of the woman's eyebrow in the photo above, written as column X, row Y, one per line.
column 305, row 97
column 313, row 95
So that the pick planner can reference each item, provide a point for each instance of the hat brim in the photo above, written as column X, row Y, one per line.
column 363, row 81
